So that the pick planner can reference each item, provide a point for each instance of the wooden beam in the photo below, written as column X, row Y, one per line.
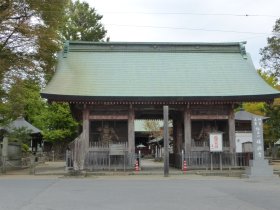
column 82, row 150
column 86, row 126
column 209, row 117
column 187, row 130
column 178, row 133
column 108, row 117
column 231, row 126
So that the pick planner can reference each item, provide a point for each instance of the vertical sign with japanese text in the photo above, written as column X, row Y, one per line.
column 257, row 131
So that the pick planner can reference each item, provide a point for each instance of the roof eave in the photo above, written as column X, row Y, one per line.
column 241, row 98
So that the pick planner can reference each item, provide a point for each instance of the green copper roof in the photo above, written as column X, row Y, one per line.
column 156, row 70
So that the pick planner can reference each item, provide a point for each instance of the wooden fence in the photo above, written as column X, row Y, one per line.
column 99, row 156
column 108, row 157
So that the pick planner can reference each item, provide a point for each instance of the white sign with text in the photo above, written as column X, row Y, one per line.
column 216, row 142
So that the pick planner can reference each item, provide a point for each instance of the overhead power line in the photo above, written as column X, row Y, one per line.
column 177, row 13
column 190, row 29
column 191, row 13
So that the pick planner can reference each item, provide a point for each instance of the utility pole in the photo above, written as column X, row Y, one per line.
column 166, row 140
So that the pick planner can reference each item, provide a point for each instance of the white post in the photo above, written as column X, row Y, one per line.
column 211, row 153
column 139, row 163
column 183, row 158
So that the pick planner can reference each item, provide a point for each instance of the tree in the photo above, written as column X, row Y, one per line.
column 83, row 23
column 29, row 38
column 271, row 53
column 259, row 108
column 31, row 33
column 272, row 130
column 153, row 127
column 271, row 61
column 55, row 120
column 271, row 126
column 57, row 123
column 23, row 99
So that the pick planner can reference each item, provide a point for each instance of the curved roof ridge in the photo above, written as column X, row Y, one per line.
column 223, row 47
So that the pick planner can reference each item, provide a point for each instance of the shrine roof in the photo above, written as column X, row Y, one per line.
column 187, row 71
column 20, row 122
column 246, row 116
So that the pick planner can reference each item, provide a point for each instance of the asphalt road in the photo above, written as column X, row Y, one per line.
column 137, row 193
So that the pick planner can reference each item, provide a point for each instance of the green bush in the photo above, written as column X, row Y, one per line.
column 24, row 148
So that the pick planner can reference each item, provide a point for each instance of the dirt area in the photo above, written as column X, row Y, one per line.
column 276, row 165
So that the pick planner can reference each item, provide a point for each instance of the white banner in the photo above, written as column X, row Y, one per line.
column 216, row 142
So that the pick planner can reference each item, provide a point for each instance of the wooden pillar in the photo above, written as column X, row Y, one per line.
column 131, row 135
column 187, row 130
column 178, row 135
column 86, row 127
column 231, row 128
column 175, row 139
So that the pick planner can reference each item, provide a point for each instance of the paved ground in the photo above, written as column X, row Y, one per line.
column 19, row 191
column 148, row 166
column 137, row 193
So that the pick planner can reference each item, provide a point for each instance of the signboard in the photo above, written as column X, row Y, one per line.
column 241, row 138
column 257, row 129
column 216, row 142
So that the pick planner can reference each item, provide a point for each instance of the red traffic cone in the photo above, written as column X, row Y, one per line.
column 185, row 166
column 136, row 166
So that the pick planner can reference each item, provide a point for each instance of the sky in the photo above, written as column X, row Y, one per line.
column 190, row 21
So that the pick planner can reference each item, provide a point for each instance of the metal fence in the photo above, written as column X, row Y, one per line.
column 196, row 143
column 207, row 160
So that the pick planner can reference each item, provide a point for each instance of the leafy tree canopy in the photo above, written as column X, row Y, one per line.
column 82, row 23
column 23, row 99
column 153, row 127
column 271, row 61
column 31, row 33
column 271, row 53
column 29, row 36
column 55, row 120
column 259, row 108
column 57, row 123
column 272, row 110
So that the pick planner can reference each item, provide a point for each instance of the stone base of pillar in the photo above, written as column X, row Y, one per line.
column 259, row 169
